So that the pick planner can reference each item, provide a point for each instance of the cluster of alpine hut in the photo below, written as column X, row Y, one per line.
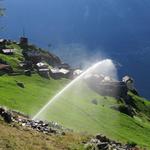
column 44, row 63
column 56, row 72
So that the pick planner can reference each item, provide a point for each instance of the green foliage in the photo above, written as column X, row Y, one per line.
column 89, row 146
column 36, row 93
column 141, row 104
column 131, row 143
column 125, row 109
column 15, row 59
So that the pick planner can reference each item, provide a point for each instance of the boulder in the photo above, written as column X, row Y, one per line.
column 7, row 117
column 102, row 146
column 20, row 84
column 102, row 138
column 2, row 110
column 101, row 142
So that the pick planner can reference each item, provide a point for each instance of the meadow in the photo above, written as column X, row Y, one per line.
column 75, row 109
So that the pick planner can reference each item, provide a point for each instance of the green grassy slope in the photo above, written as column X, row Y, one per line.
column 74, row 108
column 141, row 104
column 13, row 60
column 36, row 93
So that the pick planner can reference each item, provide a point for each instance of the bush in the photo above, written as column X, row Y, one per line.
column 131, row 144
column 89, row 146
column 20, row 84
column 94, row 101
column 126, row 110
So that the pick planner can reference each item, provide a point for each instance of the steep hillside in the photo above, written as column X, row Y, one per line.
column 79, row 108
column 24, row 53
column 75, row 109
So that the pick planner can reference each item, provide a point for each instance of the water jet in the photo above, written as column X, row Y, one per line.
column 106, row 67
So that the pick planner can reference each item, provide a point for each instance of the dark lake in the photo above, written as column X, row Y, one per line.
column 85, row 30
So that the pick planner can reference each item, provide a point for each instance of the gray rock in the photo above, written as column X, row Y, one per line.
column 102, row 138
column 101, row 142
column 103, row 146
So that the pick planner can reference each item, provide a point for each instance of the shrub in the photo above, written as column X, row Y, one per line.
column 131, row 144
column 94, row 101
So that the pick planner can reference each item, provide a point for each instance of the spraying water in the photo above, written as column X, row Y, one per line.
column 104, row 64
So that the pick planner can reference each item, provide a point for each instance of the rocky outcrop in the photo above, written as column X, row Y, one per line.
column 6, row 115
column 22, row 120
column 100, row 142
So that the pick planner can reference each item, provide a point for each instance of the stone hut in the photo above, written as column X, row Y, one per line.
column 26, row 65
column 43, row 69
column 44, row 72
column 64, row 66
column 129, row 82
column 23, row 41
column 8, row 51
column 57, row 73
